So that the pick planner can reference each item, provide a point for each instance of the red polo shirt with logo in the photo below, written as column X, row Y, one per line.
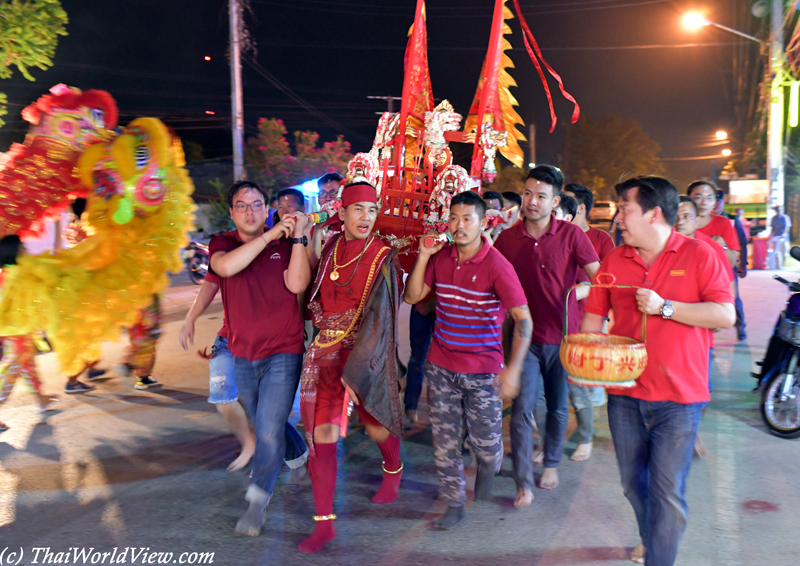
column 262, row 316
column 547, row 268
column 471, row 300
column 687, row 271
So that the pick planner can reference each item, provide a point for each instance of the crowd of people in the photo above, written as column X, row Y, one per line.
column 487, row 321
column 486, row 325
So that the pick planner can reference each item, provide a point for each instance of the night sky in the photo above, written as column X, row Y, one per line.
column 333, row 54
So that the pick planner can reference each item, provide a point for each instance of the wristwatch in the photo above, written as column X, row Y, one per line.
column 667, row 310
column 303, row 240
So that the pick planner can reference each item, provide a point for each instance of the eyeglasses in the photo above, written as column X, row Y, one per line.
column 257, row 206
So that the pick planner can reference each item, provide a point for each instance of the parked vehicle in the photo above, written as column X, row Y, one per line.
column 195, row 256
column 602, row 211
column 779, row 377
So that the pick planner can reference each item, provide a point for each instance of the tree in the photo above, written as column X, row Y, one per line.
column 29, row 31
column 600, row 153
column 269, row 156
column 508, row 178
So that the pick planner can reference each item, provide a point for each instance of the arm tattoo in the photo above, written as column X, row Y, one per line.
column 524, row 327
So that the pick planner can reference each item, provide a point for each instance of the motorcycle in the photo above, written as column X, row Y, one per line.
column 195, row 256
column 779, row 378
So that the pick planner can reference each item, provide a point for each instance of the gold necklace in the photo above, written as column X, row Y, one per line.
column 336, row 267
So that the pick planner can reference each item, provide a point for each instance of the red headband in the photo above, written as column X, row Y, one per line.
column 359, row 192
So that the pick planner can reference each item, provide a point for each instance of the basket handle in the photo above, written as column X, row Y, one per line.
column 610, row 282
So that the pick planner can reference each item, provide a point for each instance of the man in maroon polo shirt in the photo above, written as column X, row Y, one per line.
column 261, row 274
column 546, row 254
column 474, row 286
column 682, row 285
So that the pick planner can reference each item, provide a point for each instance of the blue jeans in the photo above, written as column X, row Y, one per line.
column 266, row 390
column 740, row 323
column 541, row 360
column 654, row 442
column 420, row 330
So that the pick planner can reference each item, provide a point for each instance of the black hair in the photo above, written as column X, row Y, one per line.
column 695, row 184
column 511, row 196
column 568, row 205
column 301, row 200
column 550, row 175
column 328, row 177
column 582, row 194
column 684, row 198
column 489, row 195
column 273, row 199
column 247, row 185
column 653, row 192
column 79, row 207
column 470, row 198
column 9, row 250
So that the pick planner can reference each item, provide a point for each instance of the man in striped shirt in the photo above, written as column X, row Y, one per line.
column 475, row 286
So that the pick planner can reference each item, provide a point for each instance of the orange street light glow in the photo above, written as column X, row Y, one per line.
column 207, row 57
column 210, row 112
column 722, row 135
column 726, row 152
column 693, row 20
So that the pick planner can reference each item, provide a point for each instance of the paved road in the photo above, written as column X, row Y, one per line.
column 122, row 468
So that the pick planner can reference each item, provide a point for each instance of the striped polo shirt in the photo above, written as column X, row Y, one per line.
column 472, row 300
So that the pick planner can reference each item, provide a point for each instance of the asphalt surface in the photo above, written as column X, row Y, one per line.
column 118, row 468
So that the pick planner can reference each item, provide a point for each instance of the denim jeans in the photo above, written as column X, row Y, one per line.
column 420, row 330
column 654, row 442
column 266, row 390
column 740, row 323
column 542, row 360
column 581, row 399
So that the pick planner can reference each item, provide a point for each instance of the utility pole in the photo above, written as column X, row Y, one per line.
column 532, row 142
column 389, row 99
column 237, row 114
column 775, row 151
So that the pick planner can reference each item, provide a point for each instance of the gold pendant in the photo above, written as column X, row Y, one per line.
column 334, row 275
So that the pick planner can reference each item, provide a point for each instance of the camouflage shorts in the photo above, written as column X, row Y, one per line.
column 454, row 398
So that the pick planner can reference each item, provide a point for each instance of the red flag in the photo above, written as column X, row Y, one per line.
column 487, row 85
column 417, row 92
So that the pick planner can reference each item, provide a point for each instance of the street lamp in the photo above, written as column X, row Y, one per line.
column 775, row 150
column 722, row 135
column 726, row 152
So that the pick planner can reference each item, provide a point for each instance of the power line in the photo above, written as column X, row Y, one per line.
column 288, row 92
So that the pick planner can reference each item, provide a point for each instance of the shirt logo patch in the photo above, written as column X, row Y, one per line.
column 677, row 272
column 474, row 277
column 278, row 256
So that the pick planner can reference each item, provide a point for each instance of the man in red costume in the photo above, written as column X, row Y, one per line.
column 356, row 288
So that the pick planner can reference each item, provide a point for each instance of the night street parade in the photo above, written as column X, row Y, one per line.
column 340, row 282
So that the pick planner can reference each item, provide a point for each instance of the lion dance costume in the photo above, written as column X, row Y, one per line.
column 138, row 207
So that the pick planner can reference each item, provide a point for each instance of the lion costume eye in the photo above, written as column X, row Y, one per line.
column 142, row 155
column 99, row 117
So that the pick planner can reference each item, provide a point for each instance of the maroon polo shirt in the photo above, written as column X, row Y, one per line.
column 261, row 315
column 547, row 269
column 602, row 244
column 212, row 277
column 471, row 301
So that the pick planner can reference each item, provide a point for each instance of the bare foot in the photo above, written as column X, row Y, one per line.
column 582, row 453
column 700, row 449
column 538, row 457
column 524, row 498
column 549, row 479
column 45, row 401
column 3, row 426
column 637, row 555
column 243, row 459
